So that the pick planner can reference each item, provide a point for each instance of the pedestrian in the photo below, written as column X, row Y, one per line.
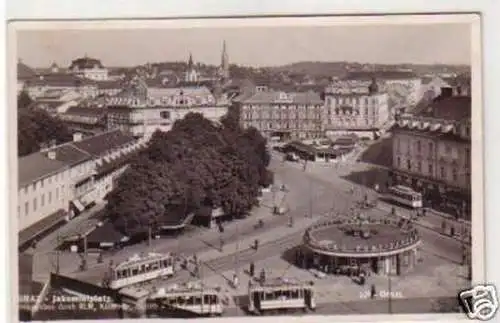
column 373, row 292
column 256, row 244
column 262, row 275
column 252, row 269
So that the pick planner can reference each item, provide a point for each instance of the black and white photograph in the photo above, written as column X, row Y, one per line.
column 250, row 167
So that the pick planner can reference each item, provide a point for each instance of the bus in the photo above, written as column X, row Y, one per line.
column 191, row 298
column 405, row 196
column 137, row 269
column 280, row 295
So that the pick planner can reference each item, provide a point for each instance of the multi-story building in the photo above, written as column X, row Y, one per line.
column 84, row 119
column 58, row 183
column 38, row 85
column 284, row 115
column 89, row 68
column 432, row 152
column 355, row 107
column 144, row 111
column 403, row 87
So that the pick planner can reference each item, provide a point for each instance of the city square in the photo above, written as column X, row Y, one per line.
column 188, row 189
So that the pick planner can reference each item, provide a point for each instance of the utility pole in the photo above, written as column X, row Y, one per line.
column 390, row 291
column 58, row 267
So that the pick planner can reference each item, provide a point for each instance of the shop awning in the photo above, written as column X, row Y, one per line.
column 38, row 228
column 79, row 205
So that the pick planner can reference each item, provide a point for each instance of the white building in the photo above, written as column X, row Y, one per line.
column 57, row 184
column 141, row 114
column 90, row 68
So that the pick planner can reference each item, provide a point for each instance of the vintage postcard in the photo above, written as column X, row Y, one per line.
column 248, row 167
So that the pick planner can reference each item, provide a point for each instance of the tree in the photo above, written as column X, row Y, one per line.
column 23, row 100
column 197, row 164
column 37, row 128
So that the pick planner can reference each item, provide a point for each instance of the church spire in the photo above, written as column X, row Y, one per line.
column 224, row 64
column 190, row 61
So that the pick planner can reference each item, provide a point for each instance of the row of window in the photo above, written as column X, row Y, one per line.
column 445, row 150
column 44, row 199
column 353, row 100
column 192, row 300
column 443, row 173
column 350, row 121
column 281, row 107
column 46, row 181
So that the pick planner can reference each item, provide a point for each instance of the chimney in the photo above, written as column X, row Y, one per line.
column 77, row 136
column 446, row 92
column 51, row 154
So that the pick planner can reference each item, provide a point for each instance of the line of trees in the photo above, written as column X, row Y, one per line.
column 198, row 164
column 36, row 128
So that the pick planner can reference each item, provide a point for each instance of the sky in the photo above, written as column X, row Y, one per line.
column 252, row 46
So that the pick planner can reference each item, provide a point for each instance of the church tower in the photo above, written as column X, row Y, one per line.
column 191, row 75
column 224, row 63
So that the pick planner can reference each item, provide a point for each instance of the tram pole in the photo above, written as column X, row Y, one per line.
column 390, row 291
column 58, row 267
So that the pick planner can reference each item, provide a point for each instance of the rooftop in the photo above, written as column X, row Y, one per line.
column 101, row 143
column 383, row 75
column 361, row 236
column 39, row 165
column 24, row 72
column 449, row 108
column 85, row 63
column 85, row 111
column 283, row 97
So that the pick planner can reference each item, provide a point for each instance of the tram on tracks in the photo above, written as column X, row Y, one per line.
column 281, row 295
column 193, row 298
column 141, row 269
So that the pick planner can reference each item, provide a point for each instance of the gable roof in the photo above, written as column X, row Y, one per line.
column 451, row 108
column 38, row 165
column 101, row 143
column 383, row 75
column 24, row 72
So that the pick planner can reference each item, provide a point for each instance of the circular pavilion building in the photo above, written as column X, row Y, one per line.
column 346, row 246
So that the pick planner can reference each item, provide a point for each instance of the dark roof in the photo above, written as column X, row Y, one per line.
column 85, row 63
column 449, row 108
column 39, row 227
column 24, row 72
column 38, row 165
column 85, row 111
column 60, row 79
column 111, row 84
column 105, row 233
column 294, row 98
column 384, row 75
column 35, row 166
column 100, row 144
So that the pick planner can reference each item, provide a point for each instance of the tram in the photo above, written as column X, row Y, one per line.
column 139, row 269
column 187, row 299
column 405, row 196
column 281, row 295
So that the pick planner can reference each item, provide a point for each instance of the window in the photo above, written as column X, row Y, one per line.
column 26, row 208
column 455, row 174
column 399, row 162
column 366, row 111
column 443, row 172
column 430, row 169
column 419, row 146
column 447, row 149
column 50, row 197
column 41, row 183
column 42, row 201
column 57, row 192
column 467, row 131
column 419, row 166
column 34, row 204
column 408, row 164
column 467, row 157
column 431, row 148
column 18, row 211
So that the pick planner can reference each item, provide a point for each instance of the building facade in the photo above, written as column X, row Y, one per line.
column 355, row 107
column 403, row 87
column 141, row 114
column 89, row 68
column 58, row 183
column 432, row 153
column 285, row 115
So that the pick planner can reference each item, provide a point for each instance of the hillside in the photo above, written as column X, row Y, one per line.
column 339, row 69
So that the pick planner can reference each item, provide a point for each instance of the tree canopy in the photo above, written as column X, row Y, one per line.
column 197, row 164
column 36, row 128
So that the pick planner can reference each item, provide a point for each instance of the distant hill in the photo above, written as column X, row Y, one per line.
column 339, row 69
